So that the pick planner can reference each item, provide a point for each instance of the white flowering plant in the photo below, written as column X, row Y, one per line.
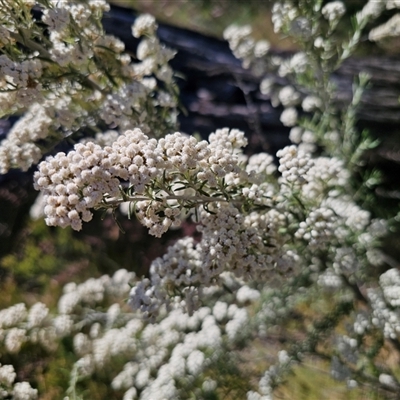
column 272, row 239
column 72, row 80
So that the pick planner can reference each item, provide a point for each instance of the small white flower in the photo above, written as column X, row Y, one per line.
column 333, row 11
column 289, row 116
column 311, row 103
column 288, row 96
column 24, row 391
column 145, row 24
column 7, row 375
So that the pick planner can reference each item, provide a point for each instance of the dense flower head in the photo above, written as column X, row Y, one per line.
column 145, row 24
column 260, row 166
column 244, row 46
column 289, row 116
column 372, row 9
column 83, row 179
column 294, row 164
column 333, row 10
column 390, row 28
column 282, row 14
column 288, row 96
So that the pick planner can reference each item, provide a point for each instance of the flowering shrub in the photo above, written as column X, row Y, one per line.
column 73, row 79
column 271, row 238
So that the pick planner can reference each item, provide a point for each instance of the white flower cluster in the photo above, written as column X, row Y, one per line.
column 288, row 96
column 76, row 182
column 383, row 316
column 311, row 103
column 318, row 229
column 371, row 10
column 19, row 147
column 330, row 280
column 179, row 268
column 18, row 325
column 249, row 246
column 125, row 107
column 347, row 348
column 244, row 46
column 73, row 183
column 252, row 244
column 333, row 11
column 283, row 13
column 390, row 28
column 18, row 390
column 162, row 359
column 390, row 284
column 325, row 173
column 304, row 139
column 145, row 26
column 260, row 165
column 103, row 85
column 152, row 54
column 345, row 261
column 296, row 64
column 173, row 353
column 246, row 294
column 93, row 291
column 362, row 323
column 354, row 219
column 389, row 381
column 246, row 245
column 294, row 165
